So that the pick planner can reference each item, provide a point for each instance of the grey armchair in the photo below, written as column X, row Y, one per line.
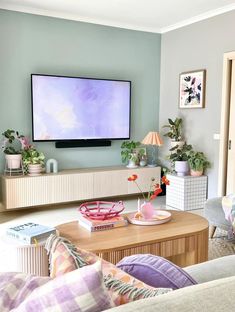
column 215, row 215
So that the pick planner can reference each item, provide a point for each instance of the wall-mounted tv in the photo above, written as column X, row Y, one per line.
column 75, row 108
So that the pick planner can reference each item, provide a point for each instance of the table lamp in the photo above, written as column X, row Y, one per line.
column 153, row 139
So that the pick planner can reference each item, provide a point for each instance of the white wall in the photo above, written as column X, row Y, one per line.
column 197, row 46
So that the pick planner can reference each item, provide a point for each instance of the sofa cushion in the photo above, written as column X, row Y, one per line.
column 81, row 290
column 156, row 271
column 16, row 287
column 214, row 296
column 123, row 288
column 65, row 257
column 213, row 269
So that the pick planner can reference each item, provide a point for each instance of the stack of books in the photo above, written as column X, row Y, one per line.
column 30, row 233
column 101, row 225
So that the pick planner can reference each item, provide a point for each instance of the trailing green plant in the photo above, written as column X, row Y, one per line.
column 128, row 152
column 175, row 129
column 180, row 154
column 31, row 156
column 13, row 142
column 198, row 161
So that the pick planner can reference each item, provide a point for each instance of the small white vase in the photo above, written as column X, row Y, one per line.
column 13, row 161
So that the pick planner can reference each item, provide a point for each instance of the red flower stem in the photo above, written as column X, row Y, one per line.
column 140, row 190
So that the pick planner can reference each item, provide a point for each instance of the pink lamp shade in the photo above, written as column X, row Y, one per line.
column 152, row 138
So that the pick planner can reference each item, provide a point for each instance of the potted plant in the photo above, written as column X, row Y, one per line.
column 12, row 148
column 197, row 163
column 33, row 160
column 175, row 132
column 129, row 154
column 179, row 157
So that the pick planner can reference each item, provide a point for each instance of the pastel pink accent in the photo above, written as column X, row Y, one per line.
column 101, row 210
column 147, row 210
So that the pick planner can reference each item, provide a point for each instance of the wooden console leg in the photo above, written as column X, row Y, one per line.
column 212, row 231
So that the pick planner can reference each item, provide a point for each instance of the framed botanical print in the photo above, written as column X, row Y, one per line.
column 192, row 89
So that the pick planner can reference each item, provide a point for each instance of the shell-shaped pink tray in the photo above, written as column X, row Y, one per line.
column 159, row 217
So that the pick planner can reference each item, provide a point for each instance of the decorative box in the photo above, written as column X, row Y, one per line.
column 187, row 192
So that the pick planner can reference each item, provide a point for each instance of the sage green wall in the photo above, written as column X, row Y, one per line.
column 37, row 44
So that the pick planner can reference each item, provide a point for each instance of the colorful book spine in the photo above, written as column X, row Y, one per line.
column 30, row 233
column 102, row 227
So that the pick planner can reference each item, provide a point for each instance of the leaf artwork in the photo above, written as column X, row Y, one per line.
column 191, row 89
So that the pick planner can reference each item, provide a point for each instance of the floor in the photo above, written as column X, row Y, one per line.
column 53, row 217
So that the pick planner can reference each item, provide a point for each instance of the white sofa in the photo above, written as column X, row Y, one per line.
column 214, row 293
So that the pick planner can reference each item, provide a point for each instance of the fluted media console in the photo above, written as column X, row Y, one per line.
column 74, row 185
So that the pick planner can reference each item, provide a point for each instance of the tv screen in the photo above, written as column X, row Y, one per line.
column 74, row 108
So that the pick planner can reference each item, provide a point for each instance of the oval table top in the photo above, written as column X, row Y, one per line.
column 182, row 224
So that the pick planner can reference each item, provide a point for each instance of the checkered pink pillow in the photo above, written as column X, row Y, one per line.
column 16, row 287
column 81, row 290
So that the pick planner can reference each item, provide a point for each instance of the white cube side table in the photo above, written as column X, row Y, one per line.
column 187, row 192
column 29, row 259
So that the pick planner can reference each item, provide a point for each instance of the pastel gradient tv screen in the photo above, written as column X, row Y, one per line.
column 73, row 108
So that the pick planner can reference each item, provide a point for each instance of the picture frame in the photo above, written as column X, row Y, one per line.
column 192, row 87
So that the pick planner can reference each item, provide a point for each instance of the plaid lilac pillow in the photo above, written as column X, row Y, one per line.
column 16, row 287
column 81, row 290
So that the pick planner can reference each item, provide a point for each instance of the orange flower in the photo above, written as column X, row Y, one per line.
column 133, row 177
column 157, row 191
column 165, row 180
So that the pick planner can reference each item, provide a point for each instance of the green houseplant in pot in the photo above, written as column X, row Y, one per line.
column 12, row 146
column 175, row 131
column 129, row 154
column 179, row 157
column 33, row 160
column 197, row 163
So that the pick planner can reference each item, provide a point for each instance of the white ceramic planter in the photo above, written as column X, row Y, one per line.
column 34, row 169
column 182, row 168
column 13, row 161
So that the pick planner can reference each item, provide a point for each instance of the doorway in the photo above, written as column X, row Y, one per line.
column 226, row 177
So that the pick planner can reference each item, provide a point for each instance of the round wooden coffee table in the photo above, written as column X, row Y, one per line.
column 183, row 240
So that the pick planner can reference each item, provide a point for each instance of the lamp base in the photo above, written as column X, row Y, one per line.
column 152, row 165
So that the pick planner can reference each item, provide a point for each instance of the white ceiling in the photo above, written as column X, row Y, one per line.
column 146, row 15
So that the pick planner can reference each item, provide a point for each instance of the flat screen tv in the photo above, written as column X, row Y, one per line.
column 75, row 108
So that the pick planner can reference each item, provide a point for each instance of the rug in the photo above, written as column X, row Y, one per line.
column 220, row 246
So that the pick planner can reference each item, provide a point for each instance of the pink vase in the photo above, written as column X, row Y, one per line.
column 147, row 210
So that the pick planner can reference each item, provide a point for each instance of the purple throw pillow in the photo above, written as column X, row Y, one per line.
column 156, row 271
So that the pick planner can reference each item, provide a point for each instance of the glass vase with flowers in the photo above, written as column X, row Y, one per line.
column 146, row 210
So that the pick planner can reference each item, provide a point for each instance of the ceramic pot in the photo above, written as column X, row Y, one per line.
column 34, row 169
column 147, row 210
column 132, row 162
column 196, row 173
column 182, row 168
column 174, row 143
column 13, row 161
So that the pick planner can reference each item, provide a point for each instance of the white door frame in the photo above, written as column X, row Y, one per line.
column 224, row 123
